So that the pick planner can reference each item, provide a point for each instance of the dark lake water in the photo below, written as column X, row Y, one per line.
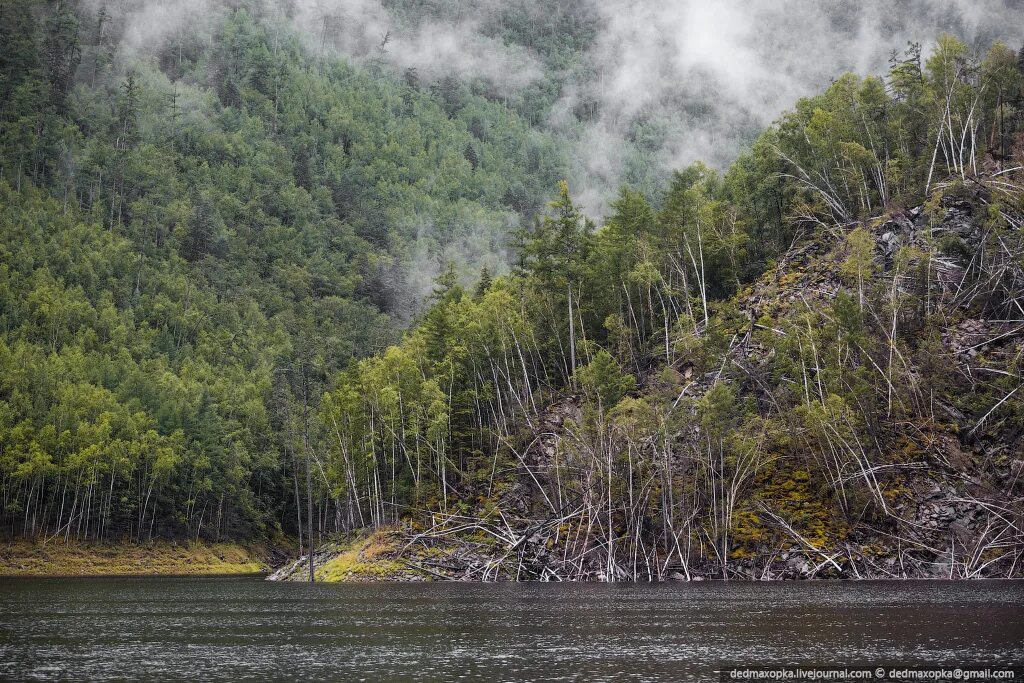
column 246, row 628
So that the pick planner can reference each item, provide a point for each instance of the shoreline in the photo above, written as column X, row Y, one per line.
column 374, row 557
column 21, row 558
column 386, row 555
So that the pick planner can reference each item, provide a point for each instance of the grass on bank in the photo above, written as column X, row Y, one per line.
column 27, row 558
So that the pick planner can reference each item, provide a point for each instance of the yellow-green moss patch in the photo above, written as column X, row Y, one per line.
column 365, row 558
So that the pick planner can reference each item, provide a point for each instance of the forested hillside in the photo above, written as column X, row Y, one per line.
column 249, row 288
column 808, row 365
column 195, row 242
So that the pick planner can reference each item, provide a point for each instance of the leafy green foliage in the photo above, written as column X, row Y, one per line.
column 191, row 252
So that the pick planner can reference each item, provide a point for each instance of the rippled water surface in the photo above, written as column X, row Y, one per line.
column 247, row 628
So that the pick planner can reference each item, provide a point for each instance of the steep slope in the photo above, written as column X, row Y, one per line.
column 939, row 489
column 760, row 365
column 877, row 371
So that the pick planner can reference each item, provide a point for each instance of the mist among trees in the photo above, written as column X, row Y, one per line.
column 273, row 273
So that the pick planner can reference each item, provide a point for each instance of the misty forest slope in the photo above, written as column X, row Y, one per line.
column 193, row 243
column 640, row 400
column 808, row 364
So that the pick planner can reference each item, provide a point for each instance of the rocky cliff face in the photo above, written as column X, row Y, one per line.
column 948, row 467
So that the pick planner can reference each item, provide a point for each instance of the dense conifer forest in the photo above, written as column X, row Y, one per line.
column 251, row 289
